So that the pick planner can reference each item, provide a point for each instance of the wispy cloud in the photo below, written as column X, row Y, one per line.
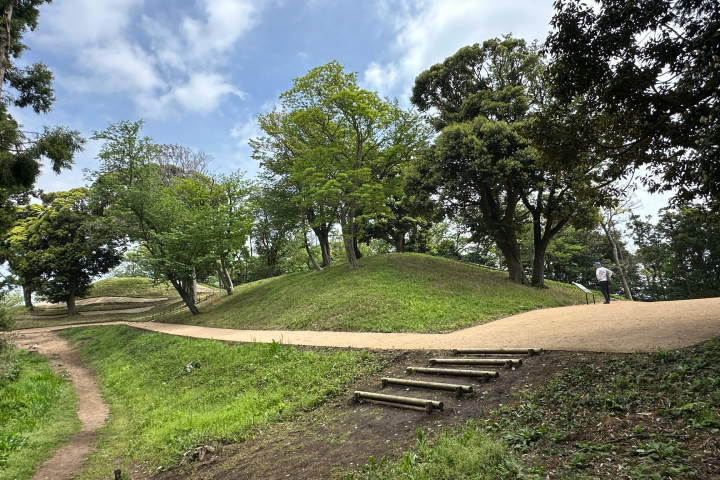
column 428, row 31
column 177, row 70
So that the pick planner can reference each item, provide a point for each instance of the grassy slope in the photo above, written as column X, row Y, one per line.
column 37, row 413
column 131, row 287
column 160, row 407
column 389, row 293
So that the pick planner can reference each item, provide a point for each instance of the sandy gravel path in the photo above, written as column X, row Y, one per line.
column 618, row 327
column 92, row 411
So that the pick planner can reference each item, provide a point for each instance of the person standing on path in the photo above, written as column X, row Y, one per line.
column 603, row 275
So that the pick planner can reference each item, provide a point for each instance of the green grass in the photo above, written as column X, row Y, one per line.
column 131, row 287
column 168, row 394
column 471, row 454
column 37, row 414
column 389, row 293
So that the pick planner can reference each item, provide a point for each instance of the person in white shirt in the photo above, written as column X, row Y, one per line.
column 603, row 275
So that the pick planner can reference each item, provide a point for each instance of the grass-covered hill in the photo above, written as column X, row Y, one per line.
column 389, row 293
column 131, row 287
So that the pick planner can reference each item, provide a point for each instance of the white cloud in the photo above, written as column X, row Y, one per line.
column 177, row 72
column 202, row 93
column 227, row 21
column 79, row 23
column 428, row 31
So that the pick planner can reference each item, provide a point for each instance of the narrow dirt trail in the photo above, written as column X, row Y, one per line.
column 622, row 327
column 92, row 411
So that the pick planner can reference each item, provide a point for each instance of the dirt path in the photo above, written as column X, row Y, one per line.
column 92, row 411
column 619, row 327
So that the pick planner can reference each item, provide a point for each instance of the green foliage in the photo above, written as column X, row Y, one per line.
column 338, row 149
column 159, row 197
column 63, row 246
column 633, row 87
column 389, row 293
column 637, row 415
column 37, row 414
column 680, row 253
column 467, row 454
column 21, row 153
column 484, row 167
column 170, row 394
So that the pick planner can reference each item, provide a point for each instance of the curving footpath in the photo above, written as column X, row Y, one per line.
column 622, row 327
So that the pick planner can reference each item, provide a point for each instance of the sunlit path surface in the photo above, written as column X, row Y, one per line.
column 618, row 327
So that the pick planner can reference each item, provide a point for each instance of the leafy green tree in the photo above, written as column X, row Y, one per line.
column 636, row 81
column 277, row 218
column 16, row 249
column 158, row 203
column 339, row 147
column 680, row 253
column 21, row 152
column 70, row 247
column 484, row 165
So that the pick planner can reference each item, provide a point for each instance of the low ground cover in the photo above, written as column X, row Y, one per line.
column 169, row 395
column 651, row 416
column 37, row 414
column 389, row 293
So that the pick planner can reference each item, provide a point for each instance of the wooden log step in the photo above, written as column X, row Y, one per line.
column 505, row 362
column 417, row 402
column 431, row 385
column 499, row 351
column 426, row 409
column 452, row 371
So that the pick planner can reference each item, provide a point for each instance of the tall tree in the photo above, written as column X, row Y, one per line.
column 637, row 81
column 21, row 153
column 339, row 147
column 153, row 202
column 484, row 165
column 70, row 247
column 18, row 251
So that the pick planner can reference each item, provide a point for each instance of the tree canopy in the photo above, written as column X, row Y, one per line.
column 637, row 81
column 484, row 166
column 339, row 148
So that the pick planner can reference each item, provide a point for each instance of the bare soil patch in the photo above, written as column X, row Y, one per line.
column 92, row 411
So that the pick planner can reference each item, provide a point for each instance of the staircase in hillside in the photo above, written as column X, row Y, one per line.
column 466, row 363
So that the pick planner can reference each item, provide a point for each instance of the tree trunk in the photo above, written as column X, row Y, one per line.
column 616, row 258
column 323, row 235
column 225, row 276
column 188, row 292
column 5, row 41
column 358, row 253
column 538, row 270
column 511, row 252
column 348, row 237
column 310, row 255
column 400, row 245
column 71, row 303
column 27, row 296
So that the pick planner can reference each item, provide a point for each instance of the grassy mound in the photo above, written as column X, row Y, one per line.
column 389, row 293
column 169, row 394
column 131, row 287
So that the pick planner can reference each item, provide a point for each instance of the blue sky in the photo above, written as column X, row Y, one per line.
column 198, row 72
